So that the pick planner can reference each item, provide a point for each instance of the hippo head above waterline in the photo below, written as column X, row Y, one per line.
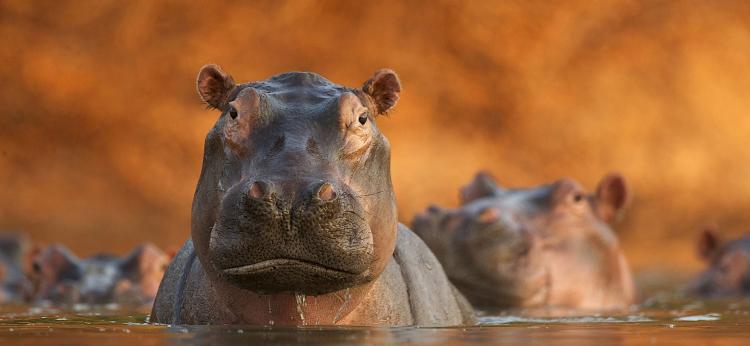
column 728, row 266
column 302, row 201
column 546, row 246
column 61, row 278
column 294, row 201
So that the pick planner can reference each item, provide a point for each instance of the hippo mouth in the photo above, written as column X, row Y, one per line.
column 281, row 264
column 291, row 275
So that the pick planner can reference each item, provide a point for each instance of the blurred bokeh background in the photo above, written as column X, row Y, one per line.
column 101, row 130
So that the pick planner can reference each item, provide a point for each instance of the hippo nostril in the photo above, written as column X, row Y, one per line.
column 489, row 215
column 259, row 190
column 326, row 192
column 434, row 209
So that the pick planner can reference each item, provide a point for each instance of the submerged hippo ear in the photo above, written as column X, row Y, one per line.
column 611, row 197
column 384, row 88
column 482, row 186
column 708, row 242
column 214, row 85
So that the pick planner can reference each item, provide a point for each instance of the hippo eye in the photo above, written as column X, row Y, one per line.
column 233, row 113
column 578, row 197
column 363, row 118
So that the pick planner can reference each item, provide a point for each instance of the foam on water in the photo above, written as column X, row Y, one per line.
column 697, row 318
column 498, row 320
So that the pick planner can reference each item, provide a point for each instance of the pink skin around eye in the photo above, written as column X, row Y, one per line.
column 357, row 135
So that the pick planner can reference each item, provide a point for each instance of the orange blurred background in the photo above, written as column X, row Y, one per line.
column 101, row 131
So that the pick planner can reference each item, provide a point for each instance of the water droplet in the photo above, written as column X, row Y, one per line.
column 300, row 303
column 270, row 322
column 344, row 303
column 317, row 314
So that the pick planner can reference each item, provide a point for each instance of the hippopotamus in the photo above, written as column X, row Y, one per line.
column 14, row 285
column 728, row 272
column 294, row 218
column 549, row 246
column 61, row 278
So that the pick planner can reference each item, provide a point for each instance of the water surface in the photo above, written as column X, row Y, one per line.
column 664, row 321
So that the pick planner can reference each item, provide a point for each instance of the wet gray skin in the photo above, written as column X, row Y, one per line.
column 546, row 246
column 13, row 283
column 728, row 267
column 61, row 278
column 294, row 216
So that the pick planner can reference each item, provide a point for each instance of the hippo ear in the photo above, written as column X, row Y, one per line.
column 55, row 261
column 708, row 242
column 214, row 85
column 482, row 186
column 144, row 258
column 384, row 88
column 145, row 267
column 611, row 197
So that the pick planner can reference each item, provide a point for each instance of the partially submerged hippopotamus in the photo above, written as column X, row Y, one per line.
column 728, row 272
column 13, row 283
column 294, row 217
column 546, row 246
column 131, row 281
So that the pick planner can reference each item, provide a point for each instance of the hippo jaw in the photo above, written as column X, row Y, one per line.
column 491, row 257
column 291, row 242
column 293, row 268
column 508, row 257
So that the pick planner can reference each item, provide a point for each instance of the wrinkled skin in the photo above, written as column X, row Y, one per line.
column 549, row 246
column 13, row 283
column 61, row 278
column 294, row 216
column 728, row 272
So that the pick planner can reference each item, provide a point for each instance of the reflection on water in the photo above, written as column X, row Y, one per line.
column 657, row 321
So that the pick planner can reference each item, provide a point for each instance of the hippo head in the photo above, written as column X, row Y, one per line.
column 295, row 193
column 728, row 272
column 530, row 246
column 61, row 277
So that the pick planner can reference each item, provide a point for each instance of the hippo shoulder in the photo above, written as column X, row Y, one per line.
column 171, row 290
column 433, row 299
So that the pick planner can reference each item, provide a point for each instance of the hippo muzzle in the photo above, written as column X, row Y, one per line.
column 306, row 237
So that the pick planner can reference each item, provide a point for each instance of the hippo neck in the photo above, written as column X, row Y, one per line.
column 296, row 309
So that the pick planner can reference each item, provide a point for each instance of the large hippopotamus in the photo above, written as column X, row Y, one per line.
column 728, row 272
column 549, row 246
column 61, row 278
column 14, row 285
column 294, row 216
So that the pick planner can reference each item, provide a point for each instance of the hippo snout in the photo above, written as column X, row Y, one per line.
column 307, row 237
